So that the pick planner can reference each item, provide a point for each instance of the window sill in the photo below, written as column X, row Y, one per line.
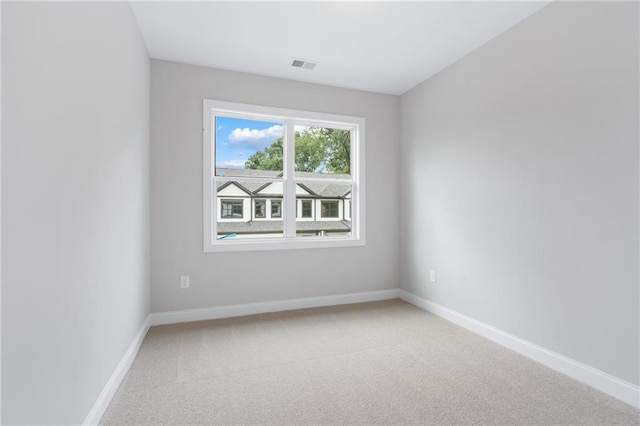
column 283, row 244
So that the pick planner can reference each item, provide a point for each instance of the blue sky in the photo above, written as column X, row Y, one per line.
column 237, row 139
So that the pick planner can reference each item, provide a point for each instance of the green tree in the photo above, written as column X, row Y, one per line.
column 338, row 146
column 311, row 152
column 269, row 159
column 318, row 149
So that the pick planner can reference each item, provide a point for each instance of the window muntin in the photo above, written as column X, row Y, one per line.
column 286, row 186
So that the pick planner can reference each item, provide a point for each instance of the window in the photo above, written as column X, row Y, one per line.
column 299, row 171
column 276, row 208
column 329, row 209
column 261, row 209
column 307, row 208
column 232, row 209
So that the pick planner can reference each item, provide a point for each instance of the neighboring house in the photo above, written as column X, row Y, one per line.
column 249, row 207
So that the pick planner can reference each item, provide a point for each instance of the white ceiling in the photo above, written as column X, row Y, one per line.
column 386, row 47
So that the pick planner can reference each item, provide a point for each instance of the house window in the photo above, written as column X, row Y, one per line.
column 261, row 209
column 276, row 208
column 329, row 209
column 279, row 161
column 307, row 208
column 232, row 209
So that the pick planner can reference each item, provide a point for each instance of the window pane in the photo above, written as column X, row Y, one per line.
column 328, row 213
column 244, row 206
column 248, row 147
column 322, row 152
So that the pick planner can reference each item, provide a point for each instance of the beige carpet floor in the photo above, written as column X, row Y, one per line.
column 373, row 363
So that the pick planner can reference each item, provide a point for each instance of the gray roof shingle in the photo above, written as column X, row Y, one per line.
column 319, row 189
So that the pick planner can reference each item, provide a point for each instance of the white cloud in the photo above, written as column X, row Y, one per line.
column 301, row 129
column 254, row 138
column 231, row 164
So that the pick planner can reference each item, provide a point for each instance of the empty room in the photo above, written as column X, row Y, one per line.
column 345, row 213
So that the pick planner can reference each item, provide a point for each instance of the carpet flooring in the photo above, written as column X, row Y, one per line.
column 380, row 363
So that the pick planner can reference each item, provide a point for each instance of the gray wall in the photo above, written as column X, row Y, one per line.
column 75, row 211
column 520, row 184
column 219, row 279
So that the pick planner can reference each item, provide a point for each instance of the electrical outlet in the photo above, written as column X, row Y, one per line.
column 432, row 276
column 184, row 281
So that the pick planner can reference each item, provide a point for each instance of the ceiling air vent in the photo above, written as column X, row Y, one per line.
column 300, row 63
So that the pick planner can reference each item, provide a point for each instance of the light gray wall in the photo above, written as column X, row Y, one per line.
column 75, row 211
column 520, row 184
column 0, row 213
column 219, row 279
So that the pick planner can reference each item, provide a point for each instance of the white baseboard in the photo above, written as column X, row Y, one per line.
column 188, row 315
column 611, row 385
column 109, row 390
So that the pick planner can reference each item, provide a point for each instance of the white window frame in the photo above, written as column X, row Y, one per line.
column 290, row 118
